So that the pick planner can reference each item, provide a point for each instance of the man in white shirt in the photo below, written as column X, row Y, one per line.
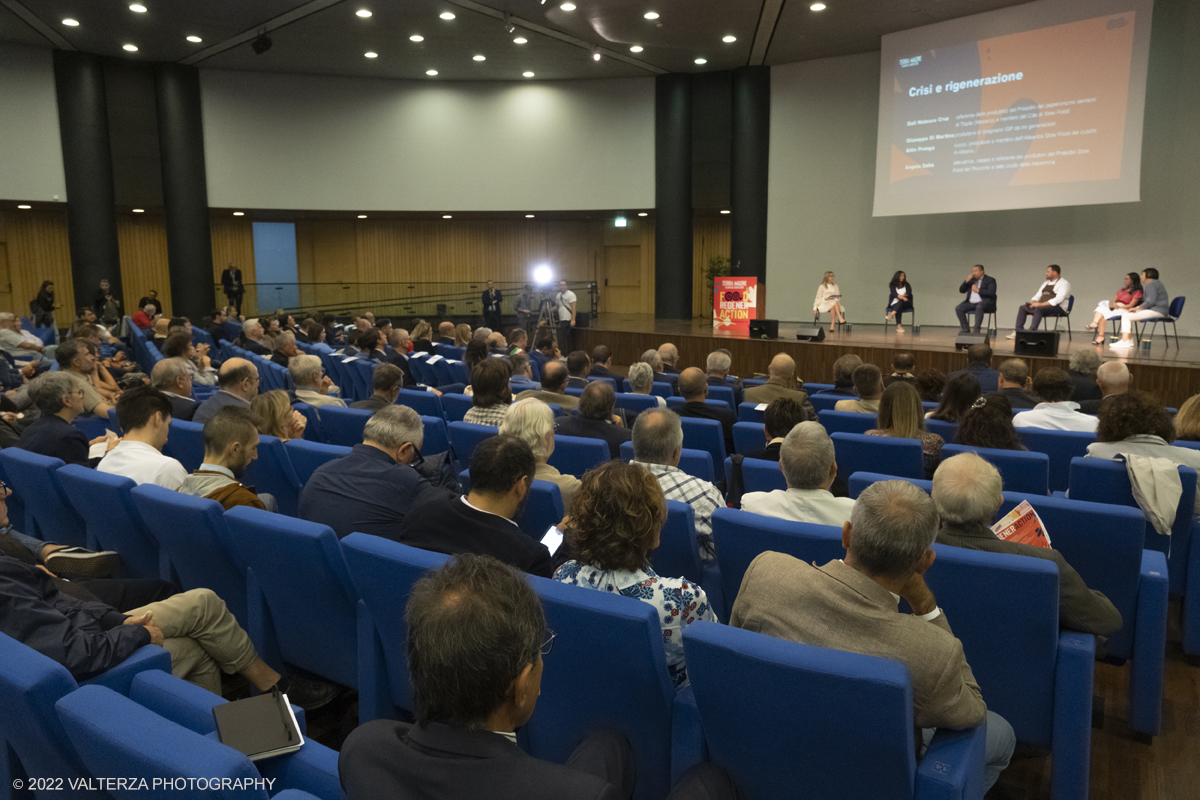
column 312, row 384
column 1056, row 411
column 145, row 415
column 1050, row 300
column 564, row 305
column 807, row 462
column 14, row 341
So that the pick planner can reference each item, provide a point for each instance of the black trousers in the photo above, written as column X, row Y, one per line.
column 564, row 336
column 607, row 755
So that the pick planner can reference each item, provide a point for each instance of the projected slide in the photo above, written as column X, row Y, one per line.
column 1037, row 105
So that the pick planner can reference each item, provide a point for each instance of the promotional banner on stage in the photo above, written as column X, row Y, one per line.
column 734, row 303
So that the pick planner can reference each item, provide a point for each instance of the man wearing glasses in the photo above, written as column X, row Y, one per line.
column 237, row 385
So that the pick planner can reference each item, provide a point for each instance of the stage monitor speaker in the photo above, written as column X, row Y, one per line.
column 965, row 340
column 1037, row 343
column 812, row 333
column 764, row 329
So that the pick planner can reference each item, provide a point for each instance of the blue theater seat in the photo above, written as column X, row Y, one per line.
column 1060, row 447
column 901, row 457
column 705, row 434
column 456, row 406
column 185, row 444
column 427, row 404
column 466, row 436
column 697, row 463
column 48, row 513
column 1022, row 471
column 748, row 437
column 344, row 426
column 575, row 455
column 847, row 421
column 306, row 456
column 272, row 473
column 105, row 502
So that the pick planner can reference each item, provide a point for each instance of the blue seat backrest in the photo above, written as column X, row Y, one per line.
column 105, row 502
column 610, row 381
column 675, row 403
column 456, row 406
column 750, row 412
column 904, row 458
column 847, row 421
column 1004, row 609
column 191, row 532
column 421, row 371
column 613, row 645
column 384, row 572
column 364, row 375
column 185, row 444
column 725, row 395
column 861, row 480
column 17, row 513
column 336, row 372
column 705, row 434
column 306, row 456
column 748, row 437
column 466, row 436
column 824, row 402
column 575, row 455
column 658, row 388
column 437, row 440
column 272, row 473
column 636, row 402
column 543, row 508
column 813, row 388
column 49, row 515
column 573, row 392
column 314, row 431
column 298, row 565
column 759, row 475
column 750, row 383
column 739, row 537
column 744, row 688
column 947, row 430
column 678, row 551
column 92, row 426
column 1060, row 447
column 1021, row 471
column 427, row 404
column 344, row 426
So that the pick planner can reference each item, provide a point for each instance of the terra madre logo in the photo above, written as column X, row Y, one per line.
column 910, row 62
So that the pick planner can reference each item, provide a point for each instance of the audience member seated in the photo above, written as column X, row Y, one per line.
column 77, row 358
column 1134, row 423
column 641, row 379
column 868, row 384
column 253, row 335
column 1056, row 411
column 979, row 364
column 285, row 348
column 216, row 327
column 1112, row 378
column 173, row 377
column 657, row 446
column 313, row 386
column 271, row 332
column 145, row 415
column 988, row 423
column 237, row 385
column 401, row 345
column 669, row 354
column 694, row 388
column 544, row 351
column 532, row 422
column 230, row 444
column 179, row 345
column 422, row 337
column 843, row 376
column 717, row 367
column 462, row 334
column 553, row 388
column 491, row 396
column 602, row 364
column 903, row 365
column 522, row 377
column 850, row 604
column 595, row 419
column 612, row 526
column 77, row 564
column 902, row 416
column 1082, row 371
column 476, row 353
column 60, row 401
column 373, row 489
column 778, row 420
column 781, row 382
column 807, row 462
column 276, row 417
column 471, row 693
column 960, row 394
column 930, row 383
column 517, row 341
column 1187, row 421
column 578, row 367
column 371, row 344
column 15, row 344
column 386, row 381
column 655, row 361
column 968, row 492
column 446, row 334
column 502, row 471
column 1015, row 383
column 145, row 317
column 316, row 335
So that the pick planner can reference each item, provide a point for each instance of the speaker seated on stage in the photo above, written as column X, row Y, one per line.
column 1015, row 383
column 900, row 299
column 1048, row 301
column 717, row 366
column 669, row 354
column 903, row 365
column 694, row 388
column 781, row 382
column 980, row 290
column 655, row 361
column 979, row 360
column 843, row 376
column 868, row 383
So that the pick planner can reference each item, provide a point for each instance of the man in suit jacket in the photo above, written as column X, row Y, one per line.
column 669, row 354
column 781, row 382
column 60, row 401
column 1014, row 383
column 231, row 284
column 237, row 385
column 850, row 605
column 1113, row 378
column 980, row 290
column 386, row 380
column 446, row 333
column 967, row 492
column 491, row 306
column 578, row 367
column 602, row 363
column 716, row 367
column 172, row 377
column 694, row 388
column 554, row 384
column 595, row 420
column 979, row 360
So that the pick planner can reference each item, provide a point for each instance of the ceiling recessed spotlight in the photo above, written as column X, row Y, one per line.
column 132, row 48
column 724, row 210
column 446, row 15
column 651, row 15
column 817, row 7
column 362, row 216
column 595, row 54
column 479, row 58
column 139, row 211
column 239, row 213
column 431, row 72
column 567, row 6
column 527, row 74
column 642, row 214
column 701, row 60
column 416, row 37
column 637, row 48
column 529, row 216
column 362, row 12
column 24, row 208
column 138, row 7
column 371, row 54
column 195, row 39
column 446, row 216
column 520, row 40
column 728, row 39
column 71, row 23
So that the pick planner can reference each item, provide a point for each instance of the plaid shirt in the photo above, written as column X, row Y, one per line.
column 487, row 415
column 702, row 496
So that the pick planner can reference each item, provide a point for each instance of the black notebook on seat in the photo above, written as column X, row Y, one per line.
column 259, row 727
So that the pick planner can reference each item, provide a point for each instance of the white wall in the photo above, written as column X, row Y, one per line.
column 31, row 166
column 307, row 142
column 823, row 130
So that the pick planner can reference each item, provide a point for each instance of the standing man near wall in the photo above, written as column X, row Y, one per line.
column 231, row 283
column 491, row 307
column 564, row 304
column 525, row 308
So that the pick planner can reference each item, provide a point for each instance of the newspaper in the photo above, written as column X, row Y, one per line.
column 1023, row 526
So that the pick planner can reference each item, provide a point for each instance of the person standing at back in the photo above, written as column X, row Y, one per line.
column 564, row 304
column 491, row 300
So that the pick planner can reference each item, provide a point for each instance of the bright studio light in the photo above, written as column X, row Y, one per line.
column 620, row 222
column 543, row 275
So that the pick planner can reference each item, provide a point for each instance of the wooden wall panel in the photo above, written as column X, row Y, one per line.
column 710, row 237
column 232, row 240
column 39, row 250
column 143, row 242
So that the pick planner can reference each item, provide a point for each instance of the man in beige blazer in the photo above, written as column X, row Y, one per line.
column 781, row 382
column 851, row 605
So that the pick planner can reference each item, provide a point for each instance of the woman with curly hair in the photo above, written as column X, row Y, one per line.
column 988, row 423
column 276, row 417
column 612, row 524
column 1136, row 424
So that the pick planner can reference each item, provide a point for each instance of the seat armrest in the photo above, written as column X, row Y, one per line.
column 374, row 694
column 313, row 768
column 185, row 703
column 1072, row 737
column 687, row 735
column 1149, row 646
column 119, row 677
column 1191, row 598
column 952, row 768
column 294, row 794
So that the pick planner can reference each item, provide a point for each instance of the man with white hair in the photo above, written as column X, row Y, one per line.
column 717, row 368
column 850, row 604
column 237, row 385
column 173, row 377
column 781, row 382
column 807, row 462
column 1112, row 377
column 669, row 354
column 313, row 386
column 655, row 361
column 968, row 492
column 252, row 336
column 285, row 349
column 16, row 345
column 532, row 421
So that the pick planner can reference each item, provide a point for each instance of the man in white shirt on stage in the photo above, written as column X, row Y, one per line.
column 807, row 462
column 1050, row 300
column 564, row 306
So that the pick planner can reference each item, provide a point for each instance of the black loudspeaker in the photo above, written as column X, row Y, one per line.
column 583, row 319
column 814, row 333
column 965, row 340
column 764, row 329
column 1037, row 343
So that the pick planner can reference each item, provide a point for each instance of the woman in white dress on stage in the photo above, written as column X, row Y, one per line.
column 829, row 300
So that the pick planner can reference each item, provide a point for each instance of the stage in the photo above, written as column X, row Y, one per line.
column 1170, row 373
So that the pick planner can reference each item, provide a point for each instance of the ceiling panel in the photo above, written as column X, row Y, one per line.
column 14, row 30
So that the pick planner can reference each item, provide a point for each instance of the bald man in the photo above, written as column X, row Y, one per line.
column 1113, row 378
column 237, row 385
column 781, row 382
column 446, row 333
column 669, row 354
column 693, row 385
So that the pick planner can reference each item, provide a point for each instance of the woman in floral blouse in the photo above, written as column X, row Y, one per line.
column 612, row 525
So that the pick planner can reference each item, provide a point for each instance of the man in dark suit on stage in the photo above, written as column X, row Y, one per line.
column 231, row 283
column 491, row 306
column 980, row 290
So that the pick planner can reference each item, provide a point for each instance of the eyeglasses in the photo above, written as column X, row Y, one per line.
column 548, row 645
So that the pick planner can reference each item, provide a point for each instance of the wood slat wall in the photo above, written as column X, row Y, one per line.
column 143, row 243
column 38, row 250
column 710, row 237
column 232, row 241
